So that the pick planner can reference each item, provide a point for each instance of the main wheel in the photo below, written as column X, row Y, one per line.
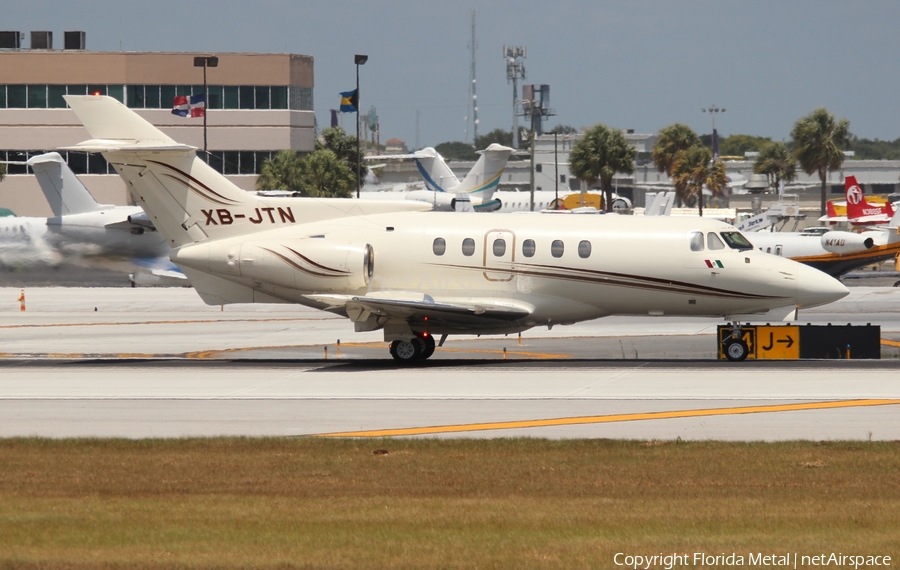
column 736, row 350
column 406, row 350
column 427, row 346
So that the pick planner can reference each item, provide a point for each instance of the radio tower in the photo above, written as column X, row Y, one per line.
column 515, row 70
column 473, row 46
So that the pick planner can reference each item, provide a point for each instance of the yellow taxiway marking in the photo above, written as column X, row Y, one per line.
column 175, row 322
column 890, row 342
column 613, row 418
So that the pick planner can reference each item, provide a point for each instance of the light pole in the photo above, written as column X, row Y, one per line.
column 713, row 110
column 358, row 59
column 204, row 62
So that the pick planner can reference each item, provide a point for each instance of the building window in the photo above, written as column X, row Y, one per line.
column 279, row 97
column 468, row 247
column 166, row 96
column 557, row 248
column 37, row 96
column 439, row 246
column 2, row 96
column 231, row 97
column 562, row 178
column 216, row 95
column 117, row 92
column 245, row 96
column 528, row 248
column 135, row 96
column 301, row 98
column 584, row 249
column 262, row 97
column 96, row 89
column 16, row 96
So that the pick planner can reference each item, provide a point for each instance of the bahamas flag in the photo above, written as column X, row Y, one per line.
column 350, row 101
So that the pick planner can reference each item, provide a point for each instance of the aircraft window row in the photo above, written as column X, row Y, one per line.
column 42, row 96
column 714, row 241
column 222, row 161
column 498, row 247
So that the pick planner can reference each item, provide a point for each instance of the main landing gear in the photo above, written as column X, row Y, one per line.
column 418, row 348
column 736, row 349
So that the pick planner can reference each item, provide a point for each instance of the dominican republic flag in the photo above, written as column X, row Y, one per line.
column 192, row 106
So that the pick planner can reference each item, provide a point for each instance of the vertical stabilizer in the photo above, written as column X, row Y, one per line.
column 64, row 191
column 437, row 175
column 858, row 207
column 484, row 177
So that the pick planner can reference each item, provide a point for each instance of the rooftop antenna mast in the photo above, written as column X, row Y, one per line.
column 473, row 46
column 515, row 70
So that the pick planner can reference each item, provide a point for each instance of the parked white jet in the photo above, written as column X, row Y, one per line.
column 416, row 274
column 83, row 229
column 443, row 185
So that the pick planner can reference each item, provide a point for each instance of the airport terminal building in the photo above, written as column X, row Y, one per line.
column 258, row 104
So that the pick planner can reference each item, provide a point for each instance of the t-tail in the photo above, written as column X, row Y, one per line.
column 434, row 170
column 185, row 199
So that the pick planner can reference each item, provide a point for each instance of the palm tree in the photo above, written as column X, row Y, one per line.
column 598, row 155
column 777, row 163
column 817, row 142
column 282, row 172
column 671, row 141
column 344, row 148
column 692, row 171
column 324, row 174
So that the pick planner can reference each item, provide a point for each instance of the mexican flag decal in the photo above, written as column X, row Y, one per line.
column 714, row 263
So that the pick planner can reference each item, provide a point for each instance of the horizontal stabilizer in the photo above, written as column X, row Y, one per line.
column 114, row 126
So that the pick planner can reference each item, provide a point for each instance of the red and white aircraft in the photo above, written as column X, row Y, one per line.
column 859, row 211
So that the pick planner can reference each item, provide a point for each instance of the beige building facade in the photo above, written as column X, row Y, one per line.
column 258, row 104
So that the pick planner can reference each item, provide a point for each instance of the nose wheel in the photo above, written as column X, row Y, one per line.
column 419, row 348
column 735, row 348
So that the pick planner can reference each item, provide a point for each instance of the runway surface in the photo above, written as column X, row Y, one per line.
column 159, row 363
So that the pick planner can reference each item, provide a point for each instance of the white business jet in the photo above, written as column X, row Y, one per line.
column 83, row 231
column 417, row 274
column 442, row 185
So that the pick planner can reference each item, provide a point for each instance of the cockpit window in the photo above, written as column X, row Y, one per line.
column 736, row 240
column 713, row 241
column 696, row 241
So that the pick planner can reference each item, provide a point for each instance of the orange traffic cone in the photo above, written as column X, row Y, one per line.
column 22, row 300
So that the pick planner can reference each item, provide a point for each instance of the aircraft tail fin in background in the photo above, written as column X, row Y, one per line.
column 434, row 170
column 484, row 177
column 857, row 206
column 64, row 191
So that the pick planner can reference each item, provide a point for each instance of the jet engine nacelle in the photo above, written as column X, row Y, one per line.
column 309, row 265
column 846, row 242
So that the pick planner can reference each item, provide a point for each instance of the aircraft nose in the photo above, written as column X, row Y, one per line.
column 816, row 288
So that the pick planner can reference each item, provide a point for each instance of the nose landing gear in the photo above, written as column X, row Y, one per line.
column 736, row 349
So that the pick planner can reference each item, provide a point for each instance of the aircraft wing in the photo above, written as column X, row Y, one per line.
column 373, row 310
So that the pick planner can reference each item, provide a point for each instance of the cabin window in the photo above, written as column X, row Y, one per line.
column 584, row 249
column 557, row 248
column 736, row 240
column 713, row 241
column 439, row 246
column 468, row 246
column 777, row 250
column 528, row 248
column 499, row 247
column 696, row 241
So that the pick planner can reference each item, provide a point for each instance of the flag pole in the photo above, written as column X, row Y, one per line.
column 204, row 62
column 358, row 59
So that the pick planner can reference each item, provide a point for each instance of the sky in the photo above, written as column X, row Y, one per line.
column 640, row 64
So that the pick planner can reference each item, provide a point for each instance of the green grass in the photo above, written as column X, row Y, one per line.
column 507, row 503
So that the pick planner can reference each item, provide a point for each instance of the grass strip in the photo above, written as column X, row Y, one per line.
column 434, row 503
